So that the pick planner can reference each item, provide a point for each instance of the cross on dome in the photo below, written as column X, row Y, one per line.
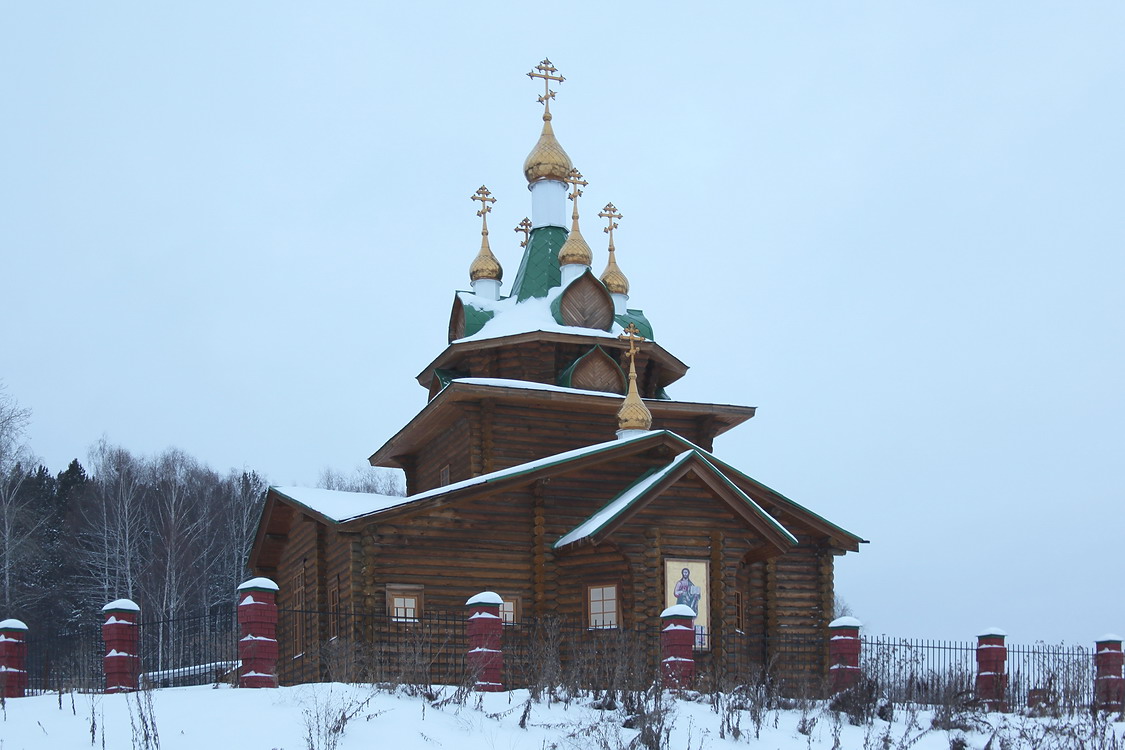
column 610, row 213
column 546, row 72
column 485, row 197
column 633, row 336
column 525, row 227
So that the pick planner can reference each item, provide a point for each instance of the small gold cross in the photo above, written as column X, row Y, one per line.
column 610, row 213
column 525, row 227
column 546, row 70
column 632, row 335
column 485, row 197
column 575, row 179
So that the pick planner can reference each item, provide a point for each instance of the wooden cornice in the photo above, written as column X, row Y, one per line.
column 443, row 409
column 670, row 368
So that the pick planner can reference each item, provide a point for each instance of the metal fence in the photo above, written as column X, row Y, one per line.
column 430, row 650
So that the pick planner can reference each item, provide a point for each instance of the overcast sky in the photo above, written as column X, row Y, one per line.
column 895, row 228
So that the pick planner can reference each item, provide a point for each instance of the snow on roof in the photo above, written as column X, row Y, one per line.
column 845, row 622
column 990, row 632
column 12, row 624
column 338, row 505
column 531, row 385
column 485, row 597
column 711, row 460
column 1107, row 638
column 121, row 604
column 678, row 610
column 512, row 317
column 347, row 506
column 258, row 583
column 618, row 505
column 530, row 466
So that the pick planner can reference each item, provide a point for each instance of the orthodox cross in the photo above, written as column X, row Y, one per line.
column 610, row 213
column 546, row 72
column 525, row 227
column 485, row 197
column 633, row 336
column 575, row 179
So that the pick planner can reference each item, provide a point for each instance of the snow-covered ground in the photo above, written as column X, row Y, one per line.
column 218, row 718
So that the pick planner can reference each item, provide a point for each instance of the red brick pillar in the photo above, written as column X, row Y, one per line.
column 485, row 629
column 13, row 658
column 121, row 636
column 1109, row 687
column 677, row 637
column 257, row 648
column 843, row 652
column 992, row 674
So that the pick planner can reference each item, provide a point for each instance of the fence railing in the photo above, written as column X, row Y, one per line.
column 430, row 650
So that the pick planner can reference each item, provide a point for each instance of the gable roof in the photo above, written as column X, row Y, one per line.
column 756, row 502
column 651, row 485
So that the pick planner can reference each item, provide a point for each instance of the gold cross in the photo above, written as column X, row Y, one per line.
column 575, row 179
column 546, row 69
column 632, row 335
column 485, row 198
column 525, row 227
column 610, row 213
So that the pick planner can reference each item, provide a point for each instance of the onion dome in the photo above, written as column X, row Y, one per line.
column 612, row 276
column 485, row 265
column 548, row 160
column 633, row 414
column 575, row 251
column 614, row 280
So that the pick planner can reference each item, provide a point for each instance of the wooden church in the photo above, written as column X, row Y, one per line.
column 549, row 465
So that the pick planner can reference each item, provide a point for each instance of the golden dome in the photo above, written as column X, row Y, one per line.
column 485, row 265
column 575, row 250
column 547, row 161
column 612, row 276
column 633, row 414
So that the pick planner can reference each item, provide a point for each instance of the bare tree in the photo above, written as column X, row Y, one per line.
column 237, row 508
column 20, row 524
column 114, row 532
column 372, row 479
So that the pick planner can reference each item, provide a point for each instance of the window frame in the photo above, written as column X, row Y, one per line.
column 405, row 591
column 617, row 611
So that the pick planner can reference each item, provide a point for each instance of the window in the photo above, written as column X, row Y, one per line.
column 443, row 479
column 299, row 607
column 334, row 609
column 740, row 615
column 404, row 603
column 602, row 606
column 509, row 609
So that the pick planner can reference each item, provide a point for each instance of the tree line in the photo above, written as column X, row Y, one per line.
column 165, row 530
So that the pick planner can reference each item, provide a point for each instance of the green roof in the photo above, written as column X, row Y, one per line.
column 475, row 318
column 539, row 268
column 638, row 318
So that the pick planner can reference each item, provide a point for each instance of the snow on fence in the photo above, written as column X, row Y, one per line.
column 432, row 649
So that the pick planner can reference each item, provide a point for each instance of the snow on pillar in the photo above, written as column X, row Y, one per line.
column 992, row 662
column 485, row 630
column 13, row 658
column 1109, row 687
column 257, row 648
column 121, row 636
column 677, row 637
column 843, row 652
